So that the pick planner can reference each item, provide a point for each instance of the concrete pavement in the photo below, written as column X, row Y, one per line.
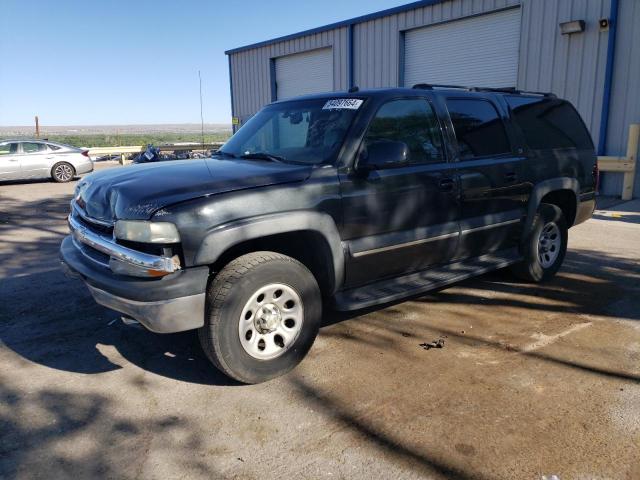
column 533, row 380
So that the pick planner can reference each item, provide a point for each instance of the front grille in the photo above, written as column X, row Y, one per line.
column 101, row 228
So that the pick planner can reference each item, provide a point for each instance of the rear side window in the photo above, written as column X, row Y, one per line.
column 413, row 122
column 53, row 147
column 479, row 129
column 549, row 123
column 29, row 147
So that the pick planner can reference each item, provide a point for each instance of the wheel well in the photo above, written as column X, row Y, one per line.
column 565, row 200
column 308, row 247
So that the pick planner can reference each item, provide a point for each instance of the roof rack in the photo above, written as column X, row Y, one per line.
column 512, row 90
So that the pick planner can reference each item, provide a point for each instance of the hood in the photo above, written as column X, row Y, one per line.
column 135, row 192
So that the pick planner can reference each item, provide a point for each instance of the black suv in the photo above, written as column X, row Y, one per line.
column 347, row 199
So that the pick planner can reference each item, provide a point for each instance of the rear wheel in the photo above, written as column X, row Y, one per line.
column 263, row 314
column 545, row 247
column 63, row 172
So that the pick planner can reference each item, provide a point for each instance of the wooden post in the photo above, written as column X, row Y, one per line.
column 632, row 157
column 37, row 127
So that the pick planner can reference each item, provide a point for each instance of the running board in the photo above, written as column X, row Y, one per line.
column 393, row 289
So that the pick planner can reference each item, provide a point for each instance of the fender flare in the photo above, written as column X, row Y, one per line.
column 223, row 237
column 541, row 189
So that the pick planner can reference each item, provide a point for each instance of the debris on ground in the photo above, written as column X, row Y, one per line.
column 439, row 343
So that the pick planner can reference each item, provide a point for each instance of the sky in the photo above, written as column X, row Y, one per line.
column 116, row 62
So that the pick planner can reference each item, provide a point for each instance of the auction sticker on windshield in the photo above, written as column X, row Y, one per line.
column 343, row 104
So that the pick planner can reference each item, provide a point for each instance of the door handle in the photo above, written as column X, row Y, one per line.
column 510, row 177
column 447, row 184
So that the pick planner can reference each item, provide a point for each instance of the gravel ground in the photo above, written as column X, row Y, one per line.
column 533, row 380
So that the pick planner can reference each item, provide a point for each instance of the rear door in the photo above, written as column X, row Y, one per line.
column 35, row 159
column 489, row 167
column 9, row 161
column 398, row 220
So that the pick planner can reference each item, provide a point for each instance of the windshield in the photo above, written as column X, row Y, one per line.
column 304, row 131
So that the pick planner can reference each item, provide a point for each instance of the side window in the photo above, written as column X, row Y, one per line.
column 53, row 147
column 8, row 148
column 549, row 123
column 413, row 122
column 31, row 147
column 478, row 127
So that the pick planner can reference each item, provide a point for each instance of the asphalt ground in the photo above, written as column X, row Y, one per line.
column 532, row 380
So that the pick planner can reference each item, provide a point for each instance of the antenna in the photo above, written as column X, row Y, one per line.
column 201, row 116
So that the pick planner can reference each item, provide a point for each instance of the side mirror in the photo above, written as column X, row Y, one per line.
column 383, row 154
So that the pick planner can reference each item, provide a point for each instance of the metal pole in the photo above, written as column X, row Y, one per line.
column 632, row 157
column 201, row 116
column 37, row 127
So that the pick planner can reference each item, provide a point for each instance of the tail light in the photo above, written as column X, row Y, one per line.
column 85, row 153
column 596, row 176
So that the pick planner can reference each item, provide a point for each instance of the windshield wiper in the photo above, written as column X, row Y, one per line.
column 263, row 156
column 224, row 154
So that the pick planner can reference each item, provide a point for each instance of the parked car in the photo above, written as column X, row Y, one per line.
column 26, row 159
column 345, row 199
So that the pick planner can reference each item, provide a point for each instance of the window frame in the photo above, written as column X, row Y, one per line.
column 434, row 110
column 501, row 117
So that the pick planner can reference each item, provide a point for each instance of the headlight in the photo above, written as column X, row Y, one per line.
column 146, row 232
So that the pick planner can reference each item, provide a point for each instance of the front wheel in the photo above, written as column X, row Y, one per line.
column 545, row 247
column 263, row 314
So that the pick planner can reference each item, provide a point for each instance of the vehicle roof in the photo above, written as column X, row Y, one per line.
column 36, row 140
column 418, row 90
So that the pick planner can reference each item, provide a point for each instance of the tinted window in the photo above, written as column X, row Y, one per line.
column 479, row 129
column 53, row 147
column 8, row 148
column 549, row 123
column 413, row 122
column 29, row 147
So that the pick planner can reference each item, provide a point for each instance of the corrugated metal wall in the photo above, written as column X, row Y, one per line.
column 625, row 93
column 377, row 50
column 250, row 69
column 572, row 66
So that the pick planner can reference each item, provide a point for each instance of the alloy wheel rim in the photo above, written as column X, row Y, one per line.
column 271, row 321
column 549, row 243
column 63, row 172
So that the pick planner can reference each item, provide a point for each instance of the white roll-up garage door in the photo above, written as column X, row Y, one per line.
column 479, row 51
column 304, row 73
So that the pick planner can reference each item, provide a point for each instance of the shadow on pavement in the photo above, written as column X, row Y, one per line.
column 53, row 320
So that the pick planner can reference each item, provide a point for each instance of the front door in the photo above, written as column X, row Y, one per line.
column 9, row 161
column 489, row 169
column 400, row 218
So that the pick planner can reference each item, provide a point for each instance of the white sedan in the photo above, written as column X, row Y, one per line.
column 24, row 159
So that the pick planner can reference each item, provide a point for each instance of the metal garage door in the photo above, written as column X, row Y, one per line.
column 479, row 51
column 304, row 73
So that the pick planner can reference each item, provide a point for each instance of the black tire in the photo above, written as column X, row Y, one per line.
column 531, row 268
column 62, row 172
column 228, row 295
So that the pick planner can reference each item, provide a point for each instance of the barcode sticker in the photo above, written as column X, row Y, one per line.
column 343, row 104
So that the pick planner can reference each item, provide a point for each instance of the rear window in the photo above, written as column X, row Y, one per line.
column 549, row 123
column 479, row 129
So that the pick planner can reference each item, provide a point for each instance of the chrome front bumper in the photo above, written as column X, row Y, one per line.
column 162, row 316
column 128, row 256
